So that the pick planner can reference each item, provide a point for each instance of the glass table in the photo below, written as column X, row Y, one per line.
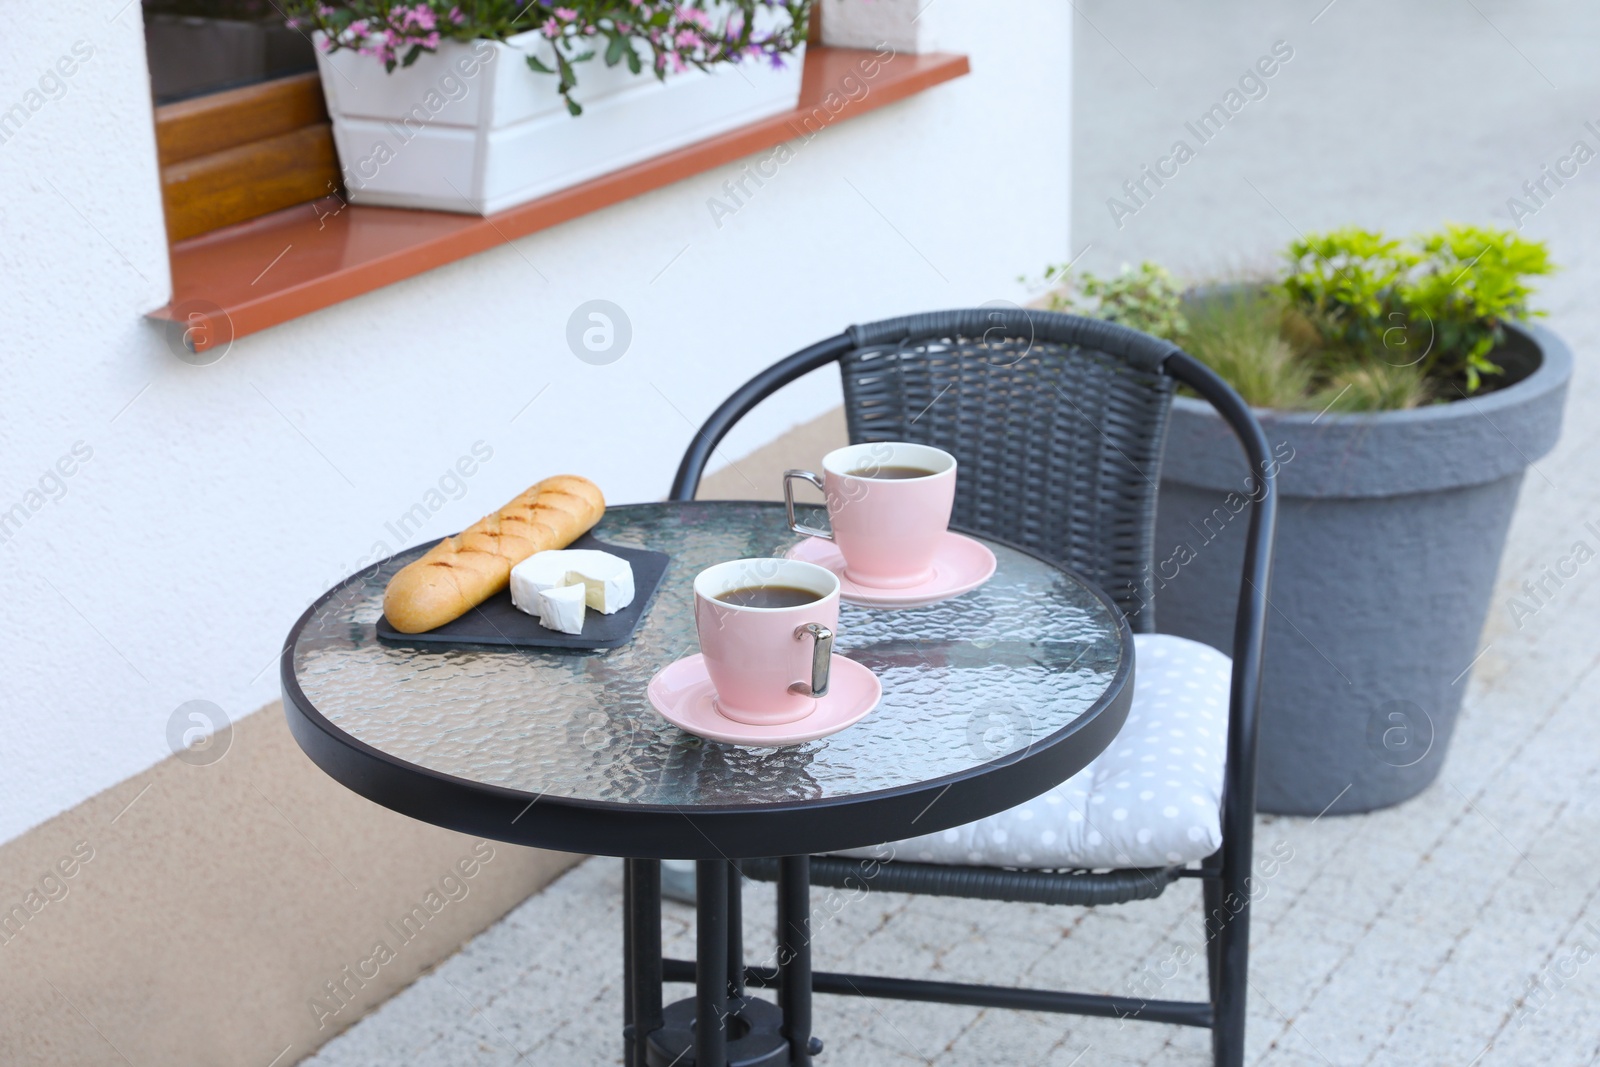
column 989, row 699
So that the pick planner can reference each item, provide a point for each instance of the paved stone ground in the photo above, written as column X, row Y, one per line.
column 1411, row 936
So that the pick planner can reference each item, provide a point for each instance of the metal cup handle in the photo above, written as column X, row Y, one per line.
column 788, row 503
column 821, row 659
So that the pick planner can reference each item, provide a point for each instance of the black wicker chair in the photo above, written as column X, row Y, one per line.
column 1058, row 423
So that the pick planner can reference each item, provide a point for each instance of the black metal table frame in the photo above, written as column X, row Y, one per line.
column 723, row 1015
column 710, row 835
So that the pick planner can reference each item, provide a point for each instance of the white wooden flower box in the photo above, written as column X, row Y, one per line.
column 470, row 128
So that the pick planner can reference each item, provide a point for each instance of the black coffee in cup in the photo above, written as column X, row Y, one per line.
column 890, row 473
column 769, row 596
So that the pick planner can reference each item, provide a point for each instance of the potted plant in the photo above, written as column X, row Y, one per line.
column 1404, row 393
column 467, row 106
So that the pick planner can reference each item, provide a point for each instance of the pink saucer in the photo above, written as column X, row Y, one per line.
column 681, row 691
column 960, row 566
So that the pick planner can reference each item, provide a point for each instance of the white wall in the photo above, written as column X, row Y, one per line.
column 220, row 500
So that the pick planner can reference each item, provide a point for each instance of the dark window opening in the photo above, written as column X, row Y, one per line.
column 197, row 47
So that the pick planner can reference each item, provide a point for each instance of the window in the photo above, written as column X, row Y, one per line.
column 206, row 46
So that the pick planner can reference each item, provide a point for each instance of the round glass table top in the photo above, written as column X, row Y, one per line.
column 977, row 679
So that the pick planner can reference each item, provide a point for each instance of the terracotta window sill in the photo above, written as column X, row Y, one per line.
column 256, row 274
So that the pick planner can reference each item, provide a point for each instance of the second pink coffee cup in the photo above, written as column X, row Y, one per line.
column 889, row 505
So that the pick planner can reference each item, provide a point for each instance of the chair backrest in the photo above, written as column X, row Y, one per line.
column 1057, row 423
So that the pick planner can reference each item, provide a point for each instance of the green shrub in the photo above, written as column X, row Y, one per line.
column 1469, row 284
column 1438, row 302
column 1358, row 322
column 1341, row 282
column 1145, row 298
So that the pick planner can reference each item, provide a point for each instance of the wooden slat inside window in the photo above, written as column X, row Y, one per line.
column 237, row 155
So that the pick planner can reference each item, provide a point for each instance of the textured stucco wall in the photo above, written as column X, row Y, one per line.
column 219, row 500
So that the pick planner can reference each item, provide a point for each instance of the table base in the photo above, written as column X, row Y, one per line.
column 754, row 1028
column 720, row 1026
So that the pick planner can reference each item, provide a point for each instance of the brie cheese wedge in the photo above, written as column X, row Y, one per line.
column 561, row 609
column 607, row 580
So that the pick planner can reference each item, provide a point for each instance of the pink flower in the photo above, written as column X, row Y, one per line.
column 550, row 28
column 565, row 14
column 456, row 16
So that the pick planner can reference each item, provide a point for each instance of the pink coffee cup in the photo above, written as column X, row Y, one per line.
column 768, row 665
column 887, row 528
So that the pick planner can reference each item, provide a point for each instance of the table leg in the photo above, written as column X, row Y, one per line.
column 720, row 1026
column 735, row 931
column 711, row 953
column 794, row 955
column 641, row 984
column 630, row 1045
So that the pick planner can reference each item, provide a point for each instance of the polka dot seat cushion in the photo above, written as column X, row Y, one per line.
column 1151, row 799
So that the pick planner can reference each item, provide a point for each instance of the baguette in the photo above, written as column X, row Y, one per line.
column 461, row 572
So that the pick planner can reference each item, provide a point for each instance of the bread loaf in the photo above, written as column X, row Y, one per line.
column 461, row 572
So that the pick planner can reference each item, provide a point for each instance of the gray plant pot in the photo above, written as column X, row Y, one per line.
column 1390, row 529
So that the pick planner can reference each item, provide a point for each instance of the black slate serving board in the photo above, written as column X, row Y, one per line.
column 498, row 622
